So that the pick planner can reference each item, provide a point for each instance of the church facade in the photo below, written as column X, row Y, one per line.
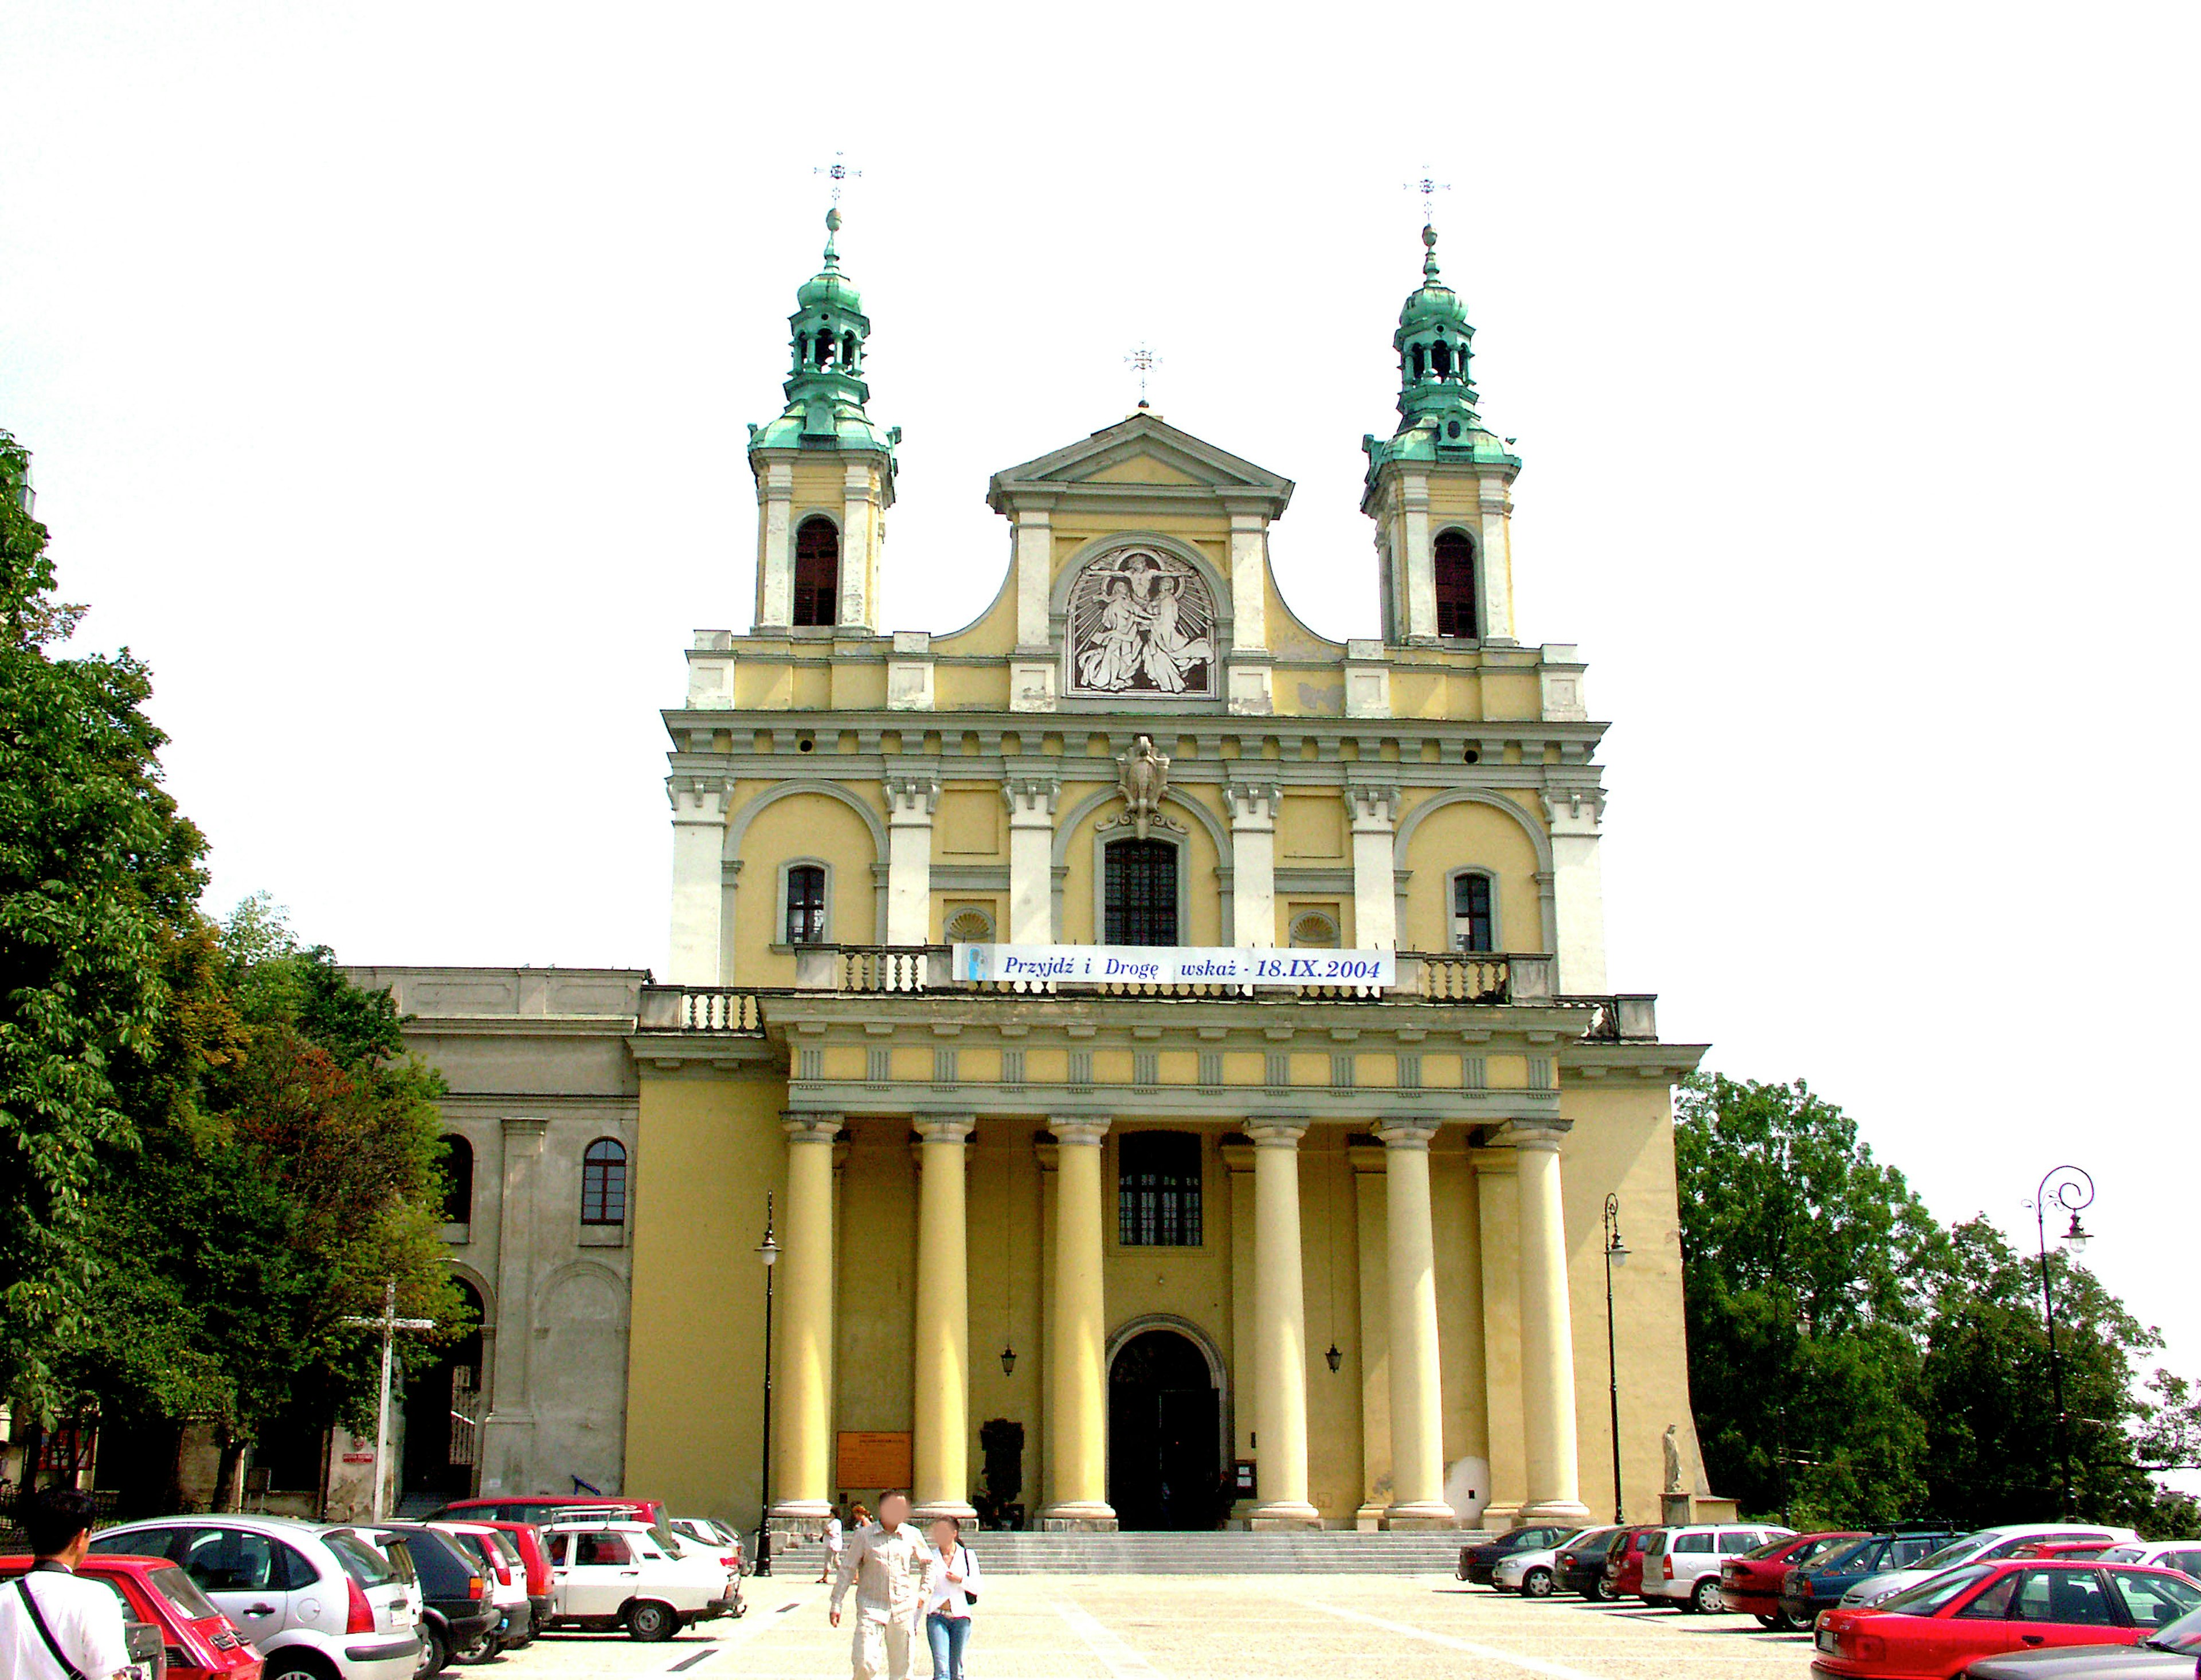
column 1050, row 1204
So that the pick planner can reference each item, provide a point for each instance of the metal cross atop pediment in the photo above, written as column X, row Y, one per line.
column 1144, row 361
column 1429, row 187
column 837, row 171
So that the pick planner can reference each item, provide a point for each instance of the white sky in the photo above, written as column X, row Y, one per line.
column 386, row 369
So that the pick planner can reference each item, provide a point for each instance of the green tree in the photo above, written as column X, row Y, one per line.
column 1808, row 1269
column 98, row 871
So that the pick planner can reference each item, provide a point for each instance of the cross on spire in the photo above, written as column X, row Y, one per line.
column 1145, row 360
column 837, row 171
column 1428, row 188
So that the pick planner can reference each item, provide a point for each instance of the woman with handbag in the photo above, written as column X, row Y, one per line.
column 952, row 1588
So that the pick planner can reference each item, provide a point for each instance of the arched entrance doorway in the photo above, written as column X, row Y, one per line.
column 442, row 1413
column 1165, row 1434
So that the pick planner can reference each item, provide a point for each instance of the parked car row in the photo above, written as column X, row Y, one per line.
column 2030, row 1601
column 250, row 1597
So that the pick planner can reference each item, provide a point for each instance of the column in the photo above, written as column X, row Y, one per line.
column 1498, row 1212
column 1417, row 1495
column 1254, row 854
column 1374, row 878
column 1371, row 1243
column 1577, row 889
column 775, row 551
column 1547, row 1354
column 1078, row 1402
column 699, row 834
column 1031, row 800
column 1279, row 1329
column 803, row 1363
column 910, row 803
column 508, row 1432
column 942, row 1450
column 1237, row 1154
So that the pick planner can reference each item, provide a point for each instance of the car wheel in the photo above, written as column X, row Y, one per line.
column 1778, row 1622
column 433, row 1655
column 292, row 1663
column 1536, row 1583
column 1705, row 1597
column 651, row 1622
column 472, row 1652
column 1604, row 1591
column 1461, row 1571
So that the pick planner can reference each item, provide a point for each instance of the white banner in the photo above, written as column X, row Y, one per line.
column 1173, row 964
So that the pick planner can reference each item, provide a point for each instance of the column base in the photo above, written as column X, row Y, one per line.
column 930, row 1509
column 1500, row 1515
column 1555, row 1510
column 1432, row 1513
column 1368, row 1519
column 1078, row 1517
column 1283, row 1514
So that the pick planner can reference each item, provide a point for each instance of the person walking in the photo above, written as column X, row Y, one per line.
column 889, row 1565
column 952, row 1588
column 54, row 1625
column 834, row 1541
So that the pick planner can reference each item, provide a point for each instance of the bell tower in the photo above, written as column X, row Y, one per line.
column 825, row 473
column 1440, row 488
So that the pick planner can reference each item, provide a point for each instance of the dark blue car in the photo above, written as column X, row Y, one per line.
column 1820, row 1584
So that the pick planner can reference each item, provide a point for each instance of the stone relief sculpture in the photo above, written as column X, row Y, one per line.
column 1142, row 776
column 1141, row 622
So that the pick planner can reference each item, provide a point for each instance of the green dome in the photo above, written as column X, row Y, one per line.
column 830, row 285
column 1435, row 300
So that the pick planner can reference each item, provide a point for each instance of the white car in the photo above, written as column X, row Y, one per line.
column 319, row 1602
column 505, row 1572
column 728, row 1558
column 604, row 1574
column 2183, row 1555
column 1984, row 1546
column 1532, row 1573
column 1682, row 1565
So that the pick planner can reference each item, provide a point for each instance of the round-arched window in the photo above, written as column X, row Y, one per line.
column 603, row 1182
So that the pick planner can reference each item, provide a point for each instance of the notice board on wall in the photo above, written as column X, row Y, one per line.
column 869, row 1459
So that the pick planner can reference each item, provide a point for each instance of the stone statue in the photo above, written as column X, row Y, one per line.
column 1143, row 777
column 1673, row 1458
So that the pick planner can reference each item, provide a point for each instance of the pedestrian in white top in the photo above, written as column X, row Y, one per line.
column 833, row 1544
column 888, row 1565
column 953, row 1585
column 53, row 1625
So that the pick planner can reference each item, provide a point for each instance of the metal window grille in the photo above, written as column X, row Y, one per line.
column 1158, row 1191
column 1454, row 554
column 817, row 572
column 805, row 904
column 603, row 1182
column 1470, row 913
column 1140, row 885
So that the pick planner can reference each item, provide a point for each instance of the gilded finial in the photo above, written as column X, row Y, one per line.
column 1429, row 241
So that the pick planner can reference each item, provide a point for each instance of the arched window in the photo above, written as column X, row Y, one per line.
column 1455, row 569
column 1474, row 924
column 457, row 1166
column 805, row 904
column 1158, row 1190
column 1314, row 929
column 603, row 1182
column 817, row 571
column 1139, row 886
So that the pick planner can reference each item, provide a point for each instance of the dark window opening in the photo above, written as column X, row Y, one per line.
column 1441, row 356
column 1470, row 913
column 1140, row 888
column 1158, row 1191
column 805, row 904
column 457, row 1169
column 1414, row 361
column 817, row 572
column 603, row 1182
column 1455, row 580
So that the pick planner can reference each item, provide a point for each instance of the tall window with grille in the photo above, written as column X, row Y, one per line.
column 1454, row 555
column 1139, row 892
column 603, row 1182
column 806, row 903
column 817, row 572
column 1472, row 925
column 1158, row 1190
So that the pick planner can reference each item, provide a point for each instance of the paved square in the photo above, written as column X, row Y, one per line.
column 1265, row 1627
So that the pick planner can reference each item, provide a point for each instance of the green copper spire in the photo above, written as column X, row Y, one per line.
column 826, row 389
column 1437, row 418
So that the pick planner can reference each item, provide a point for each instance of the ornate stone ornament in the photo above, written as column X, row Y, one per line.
column 1143, row 774
column 1141, row 622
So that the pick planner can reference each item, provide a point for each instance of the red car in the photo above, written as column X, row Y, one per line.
column 1750, row 1585
column 528, row 1539
column 200, row 1642
column 1932, row 1631
column 1624, row 1568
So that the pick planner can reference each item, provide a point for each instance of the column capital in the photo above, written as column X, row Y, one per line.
column 911, row 798
column 1252, row 803
column 944, row 1128
column 810, row 1128
column 1373, row 806
column 1277, row 1134
column 1030, row 797
column 1406, row 1132
column 1077, row 1129
column 1536, row 1134
column 699, row 799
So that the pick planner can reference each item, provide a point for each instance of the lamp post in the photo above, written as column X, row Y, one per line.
column 1616, row 1253
column 768, row 1252
column 2072, row 1189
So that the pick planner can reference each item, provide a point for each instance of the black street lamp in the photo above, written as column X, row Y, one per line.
column 768, row 1252
column 2072, row 1189
column 1616, row 1253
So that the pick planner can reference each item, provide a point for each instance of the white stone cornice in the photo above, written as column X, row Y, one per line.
column 913, row 798
column 698, row 799
column 1573, row 810
column 1252, row 803
column 1030, row 796
column 1372, row 804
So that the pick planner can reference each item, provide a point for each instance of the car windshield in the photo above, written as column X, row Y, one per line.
column 2182, row 1636
column 180, row 1590
column 1928, row 1596
column 1770, row 1548
column 1956, row 1551
column 1812, row 1551
column 361, row 1561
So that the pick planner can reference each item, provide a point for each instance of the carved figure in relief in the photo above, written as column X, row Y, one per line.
column 1110, row 661
column 1170, row 652
column 1141, row 622
column 1673, row 1446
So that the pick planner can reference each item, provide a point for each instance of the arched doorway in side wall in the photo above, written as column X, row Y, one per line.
column 1165, row 1434
column 442, row 1413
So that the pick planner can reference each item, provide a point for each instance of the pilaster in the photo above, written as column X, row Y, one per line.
column 1035, row 571
column 1374, row 808
column 1032, row 801
column 911, row 798
column 508, row 1431
column 1575, row 815
column 1253, row 807
column 775, row 608
column 1419, row 560
column 1495, row 505
column 699, row 833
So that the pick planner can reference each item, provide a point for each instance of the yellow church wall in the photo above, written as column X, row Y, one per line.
column 806, row 827
column 1005, row 1231
column 819, row 480
column 876, row 1240
column 813, row 688
column 1311, row 828
column 857, row 684
column 982, row 687
column 764, row 686
column 969, row 824
column 993, row 633
column 1289, row 636
column 1470, row 834
column 708, row 1151
column 1331, row 1283
column 1456, row 1232
column 1496, row 1190
column 1143, row 469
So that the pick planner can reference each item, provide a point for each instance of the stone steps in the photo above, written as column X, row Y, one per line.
column 1314, row 1551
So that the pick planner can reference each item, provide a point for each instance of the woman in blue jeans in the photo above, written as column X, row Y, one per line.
column 952, row 1581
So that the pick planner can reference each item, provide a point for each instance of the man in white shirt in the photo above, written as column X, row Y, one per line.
column 888, row 1563
column 81, row 1637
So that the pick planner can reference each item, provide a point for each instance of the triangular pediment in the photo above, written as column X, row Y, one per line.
column 1143, row 453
